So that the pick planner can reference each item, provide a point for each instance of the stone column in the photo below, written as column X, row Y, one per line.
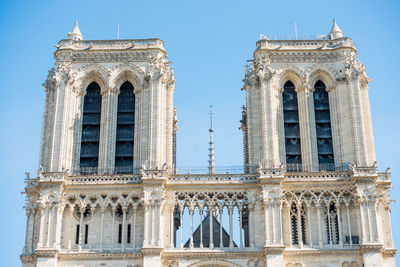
column 364, row 222
column 230, row 210
column 77, row 138
column 319, row 220
column 349, row 223
column 113, row 209
column 134, row 226
column 49, row 215
column 251, row 225
column 153, row 223
column 58, row 225
column 308, row 136
column 81, row 210
column 339, row 224
column 191, row 245
column 108, row 130
column 58, row 123
column 309, row 224
column 124, row 209
column 29, row 228
column 146, row 225
column 356, row 111
column 210, row 212
column 241, row 225
column 273, row 221
column 299, row 228
column 71, row 214
column 172, row 226
column 266, row 219
column 336, row 124
column 47, row 124
column 373, row 220
column 102, row 210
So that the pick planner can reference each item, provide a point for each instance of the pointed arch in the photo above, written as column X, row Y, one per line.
column 324, row 72
column 290, row 73
column 126, row 72
column 92, row 73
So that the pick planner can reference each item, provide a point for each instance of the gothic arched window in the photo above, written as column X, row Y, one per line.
column 331, row 221
column 292, row 127
column 323, row 127
column 90, row 129
column 125, row 129
column 294, row 213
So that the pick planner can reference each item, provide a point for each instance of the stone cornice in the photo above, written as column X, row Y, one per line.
column 110, row 44
column 366, row 248
column 149, row 251
column 46, row 252
column 101, row 255
column 171, row 254
column 104, row 56
column 274, row 250
column 389, row 252
column 314, row 252
column 304, row 56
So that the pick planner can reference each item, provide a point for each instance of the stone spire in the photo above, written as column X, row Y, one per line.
column 335, row 32
column 211, row 155
column 76, row 34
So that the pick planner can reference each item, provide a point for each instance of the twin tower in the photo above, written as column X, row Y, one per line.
column 107, row 192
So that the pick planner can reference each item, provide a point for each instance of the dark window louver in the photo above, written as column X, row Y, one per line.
column 292, row 127
column 125, row 129
column 91, row 128
column 323, row 127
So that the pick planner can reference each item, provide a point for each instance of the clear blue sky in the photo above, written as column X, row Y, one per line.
column 209, row 43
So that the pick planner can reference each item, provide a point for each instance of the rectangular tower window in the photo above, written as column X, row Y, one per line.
column 77, row 234
column 86, row 233
column 125, row 129
column 128, row 237
column 90, row 138
column 292, row 128
column 120, row 233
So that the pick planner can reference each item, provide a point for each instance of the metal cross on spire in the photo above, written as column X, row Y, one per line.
column 211, row 155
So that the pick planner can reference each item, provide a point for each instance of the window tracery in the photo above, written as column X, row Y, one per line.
column 218, row 214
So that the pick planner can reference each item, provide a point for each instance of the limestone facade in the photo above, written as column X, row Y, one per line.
column 275, row 214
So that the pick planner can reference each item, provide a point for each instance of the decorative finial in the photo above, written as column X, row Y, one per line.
column 76, row 34
column 211, row 155
column 335, row 32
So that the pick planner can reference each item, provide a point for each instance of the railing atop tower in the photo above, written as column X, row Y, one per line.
column 302, row 41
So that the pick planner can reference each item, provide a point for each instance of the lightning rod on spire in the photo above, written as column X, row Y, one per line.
column 211, row 155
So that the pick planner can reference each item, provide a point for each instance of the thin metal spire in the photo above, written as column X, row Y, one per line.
column 211, row 155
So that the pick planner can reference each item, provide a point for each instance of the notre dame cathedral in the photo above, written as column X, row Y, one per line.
column 107, row 192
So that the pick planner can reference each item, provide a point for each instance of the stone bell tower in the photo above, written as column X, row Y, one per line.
column 307, row 129
column 322, row 120
column 108, row 118
column 81, row 63
column 107, row 192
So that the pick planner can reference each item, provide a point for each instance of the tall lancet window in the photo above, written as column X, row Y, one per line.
column 125, row 129
column 292, row 127
column 90, row 129
column 323, row 127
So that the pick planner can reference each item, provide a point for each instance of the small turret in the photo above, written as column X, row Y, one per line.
column 335, row 32
column 76, row 34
